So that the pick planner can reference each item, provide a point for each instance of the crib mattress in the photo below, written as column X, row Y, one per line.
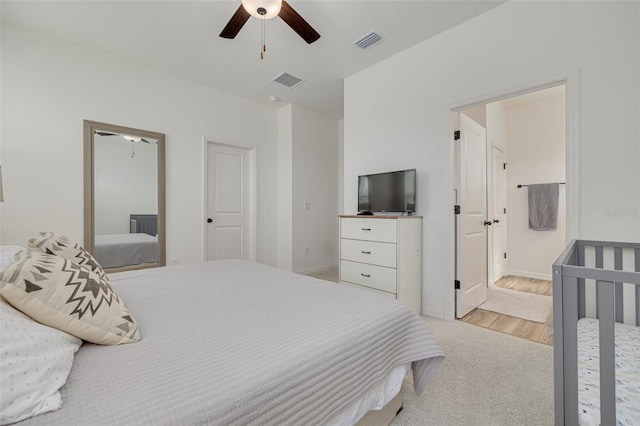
column 627, row 373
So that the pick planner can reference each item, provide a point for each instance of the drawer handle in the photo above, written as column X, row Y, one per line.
column 365, row 275
column 365, row 252
column 365, row 229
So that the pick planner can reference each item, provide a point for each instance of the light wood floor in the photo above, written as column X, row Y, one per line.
column 518, row 327
column 330, row 274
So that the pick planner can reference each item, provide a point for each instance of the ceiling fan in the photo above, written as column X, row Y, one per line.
column 268, row 9
column 132, row 139
column 127, row 137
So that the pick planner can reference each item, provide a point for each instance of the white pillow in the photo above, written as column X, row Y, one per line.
column 59, row 245
column 35, row 361
column 62, row 294
column 7, row 254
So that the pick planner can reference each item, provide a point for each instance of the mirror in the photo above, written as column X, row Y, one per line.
column 124, row 196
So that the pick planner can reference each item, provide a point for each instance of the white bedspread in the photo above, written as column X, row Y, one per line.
column 234, row 342
column 115, row 250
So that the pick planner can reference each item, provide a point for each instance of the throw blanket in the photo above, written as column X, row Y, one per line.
column 236, row 343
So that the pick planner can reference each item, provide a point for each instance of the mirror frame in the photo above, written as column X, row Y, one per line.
column 89, row 206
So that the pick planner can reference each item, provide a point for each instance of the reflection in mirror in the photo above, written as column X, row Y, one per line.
column 124, row 222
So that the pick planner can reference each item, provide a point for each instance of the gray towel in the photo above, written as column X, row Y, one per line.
column 543, row 206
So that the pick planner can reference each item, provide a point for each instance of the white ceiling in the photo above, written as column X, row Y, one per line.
column 181, row 37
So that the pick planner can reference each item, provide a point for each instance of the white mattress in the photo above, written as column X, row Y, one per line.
column 235, row 342
column 115, row 250
column 627, row 340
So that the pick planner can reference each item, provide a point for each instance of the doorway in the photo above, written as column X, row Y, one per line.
column 526, row 144
column 229, row 202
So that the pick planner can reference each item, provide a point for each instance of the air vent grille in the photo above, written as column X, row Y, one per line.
column 288, row 80
column 368, row 40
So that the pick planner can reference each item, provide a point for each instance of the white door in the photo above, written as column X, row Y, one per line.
column 497, row 212
column 228, row 202
column 471, row 260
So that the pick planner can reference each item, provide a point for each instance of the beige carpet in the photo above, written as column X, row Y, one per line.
column 487, row 379
column 532, row 307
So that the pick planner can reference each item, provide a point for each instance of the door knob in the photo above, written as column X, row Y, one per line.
column 209, row 220
column 496, row 221
column 487, row 222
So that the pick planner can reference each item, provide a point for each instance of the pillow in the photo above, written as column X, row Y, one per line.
column 7, row 253
column 64, row 295
column 51, row 243
column 34, row 363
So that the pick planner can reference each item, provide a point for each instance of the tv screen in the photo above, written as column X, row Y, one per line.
column 387, row 192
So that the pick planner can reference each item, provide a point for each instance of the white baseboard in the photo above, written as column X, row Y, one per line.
column 317, row 269
column 533, row 275
column 432, row 313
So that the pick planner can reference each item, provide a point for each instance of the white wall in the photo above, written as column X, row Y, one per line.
column 394, row 123
column 478, row 114
column 341, row 166
column 496, row 127
column 285, row 187
column 308, row 170
column 125, row 182
column 49, row 87
column 315, row 181
column 536, row 140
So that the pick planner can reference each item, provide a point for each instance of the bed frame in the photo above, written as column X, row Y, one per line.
column 384, row 416
column 583, row 265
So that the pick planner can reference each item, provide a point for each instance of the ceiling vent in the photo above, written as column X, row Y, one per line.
column 368, row 40
column 288, row 80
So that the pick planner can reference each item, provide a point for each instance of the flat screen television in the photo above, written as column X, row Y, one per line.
column 387, row 192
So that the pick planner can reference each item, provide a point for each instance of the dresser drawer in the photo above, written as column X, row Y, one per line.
column 374, row 252
column 377, row 277
column 373, row 290
column 383, row 230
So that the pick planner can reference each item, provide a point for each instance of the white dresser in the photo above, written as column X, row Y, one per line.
column 383, row 254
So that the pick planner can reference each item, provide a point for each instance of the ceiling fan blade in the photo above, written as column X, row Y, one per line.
column 297, row 23
column 236, row 23
column 97, row 132
column 144, row 140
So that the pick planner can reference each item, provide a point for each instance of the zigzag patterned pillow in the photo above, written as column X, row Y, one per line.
column 51, row 243
column 64, row 295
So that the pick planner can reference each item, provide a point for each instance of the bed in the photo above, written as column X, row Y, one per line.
column 139, row 246
column 235, row 342
column 116, row 250
column 596, row 317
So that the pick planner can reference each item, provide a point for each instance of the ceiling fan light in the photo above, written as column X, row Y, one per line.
column 271, row 6
column 131, row 138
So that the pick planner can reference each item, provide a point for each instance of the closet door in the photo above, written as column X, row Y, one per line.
column 497, row 213
column 228, row 214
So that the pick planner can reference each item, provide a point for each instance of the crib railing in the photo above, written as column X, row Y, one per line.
column 583, row 265
column 143, row 224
